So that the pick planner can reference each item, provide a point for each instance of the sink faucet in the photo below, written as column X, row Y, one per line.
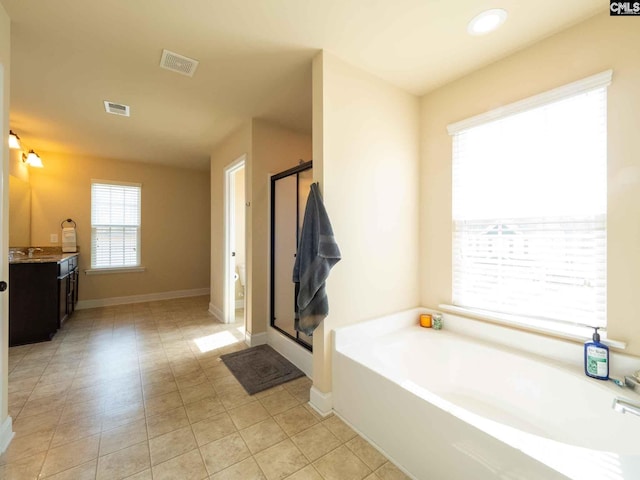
column 15, row 252
column 31, row 250
column 623, row 406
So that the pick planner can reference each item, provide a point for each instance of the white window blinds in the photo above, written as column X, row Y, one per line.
column 115, row 224
column 529, row 211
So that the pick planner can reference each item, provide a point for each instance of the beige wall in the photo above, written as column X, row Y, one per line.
column 240, row 209
column 369, row 177
column 275, row 149
column 596, row 45
column 175, row 221
column 270, row 149
column 228, row 151
column 5, row 44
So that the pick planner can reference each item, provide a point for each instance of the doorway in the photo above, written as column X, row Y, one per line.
column 235, row 252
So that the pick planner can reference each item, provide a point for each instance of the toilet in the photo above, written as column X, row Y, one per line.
column 241, row 273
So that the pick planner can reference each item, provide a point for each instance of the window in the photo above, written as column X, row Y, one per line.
column 115, row 224
column 529, row 207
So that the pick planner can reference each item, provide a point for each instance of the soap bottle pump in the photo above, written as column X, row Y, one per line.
column 596, row 358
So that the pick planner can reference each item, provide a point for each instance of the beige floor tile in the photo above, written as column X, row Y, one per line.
column 122, row 416
column 132, row 377
column 218, row 371
column 47, row 389
column 248, row 414
column 27, row 446
column 281, row 460
column 124, row 463
column 225, row 381
column 36, row 423
column 316, row 442
column 188, row 466
column 365, row 452
column 245, row 470
column 389, row 471
column 41, row 405
column 234, row 396
column 262, row 435
column 81, row 428
column 341, row 464
column 71, row 455
column 122, row 437
column 154, row 389
column 171, row 445
column 195, row 393
column 191, row 379
column 339, row 428
column 143, row 475
column 213, row 428
column 86, row 471
column 296, row 420
column 205, row 408
column 22, row 385
column 224, row 452
column 23, row 469
column 307, row 473
column 279, row 402
column 167, row 422
column 162, row 403
column 74, row 411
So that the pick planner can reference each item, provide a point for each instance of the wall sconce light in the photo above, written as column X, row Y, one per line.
column 32, row 159
column 14, row 140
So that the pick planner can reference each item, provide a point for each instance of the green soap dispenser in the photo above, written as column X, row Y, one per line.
column 596, row 358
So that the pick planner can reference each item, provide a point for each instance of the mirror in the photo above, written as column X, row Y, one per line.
column 19, row 212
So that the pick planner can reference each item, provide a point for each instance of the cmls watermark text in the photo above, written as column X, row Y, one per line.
column 623, row 8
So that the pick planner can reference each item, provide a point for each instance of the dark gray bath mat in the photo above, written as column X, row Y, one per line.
column 259, row 368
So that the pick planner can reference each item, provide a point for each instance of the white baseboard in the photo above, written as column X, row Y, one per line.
column 6, row 434
column 296, row 354
column 257, row 339
column 148, row 297
column 216, row 312
column 321, row 402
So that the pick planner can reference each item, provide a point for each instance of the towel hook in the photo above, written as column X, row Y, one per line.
column 68, row 220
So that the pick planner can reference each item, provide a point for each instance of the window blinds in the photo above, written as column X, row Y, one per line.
column 115, row 225
column 529, row 212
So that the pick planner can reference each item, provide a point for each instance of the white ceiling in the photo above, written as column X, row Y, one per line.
column 68, row 56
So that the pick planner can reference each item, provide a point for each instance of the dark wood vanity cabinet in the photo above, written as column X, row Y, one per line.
column 42, row 295
column 67, row 289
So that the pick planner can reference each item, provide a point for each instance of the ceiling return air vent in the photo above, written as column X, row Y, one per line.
column 178, row 63
column 117, row 108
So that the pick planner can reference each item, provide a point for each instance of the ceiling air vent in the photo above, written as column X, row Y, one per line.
column 117, row 108
column 178, row 63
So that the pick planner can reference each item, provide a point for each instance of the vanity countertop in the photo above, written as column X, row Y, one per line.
column 43, row 258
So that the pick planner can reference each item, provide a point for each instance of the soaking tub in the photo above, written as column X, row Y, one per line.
column 445, row 406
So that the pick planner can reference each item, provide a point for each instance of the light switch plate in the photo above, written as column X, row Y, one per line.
column 53, row 238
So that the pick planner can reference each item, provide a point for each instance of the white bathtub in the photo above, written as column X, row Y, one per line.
column 446, row 406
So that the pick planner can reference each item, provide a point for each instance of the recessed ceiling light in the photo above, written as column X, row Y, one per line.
column 487, row 21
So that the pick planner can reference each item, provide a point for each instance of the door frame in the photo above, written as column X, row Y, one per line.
column 230, row 171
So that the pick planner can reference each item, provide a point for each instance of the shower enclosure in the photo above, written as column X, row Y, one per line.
column 289, row 192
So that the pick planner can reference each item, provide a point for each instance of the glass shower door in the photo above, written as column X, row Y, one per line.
column 289, row 192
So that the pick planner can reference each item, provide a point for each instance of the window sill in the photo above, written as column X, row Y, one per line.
column 104, row 271
column 546, row 327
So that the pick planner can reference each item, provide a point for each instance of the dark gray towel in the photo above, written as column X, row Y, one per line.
column 317, row 253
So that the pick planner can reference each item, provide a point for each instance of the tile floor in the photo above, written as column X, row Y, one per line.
column 139, row 392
